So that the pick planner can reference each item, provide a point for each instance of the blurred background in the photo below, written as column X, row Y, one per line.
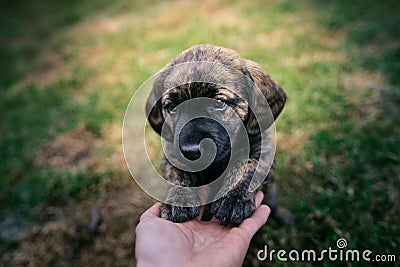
column 69, row 68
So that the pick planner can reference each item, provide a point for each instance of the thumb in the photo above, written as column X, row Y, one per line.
column 251, row 225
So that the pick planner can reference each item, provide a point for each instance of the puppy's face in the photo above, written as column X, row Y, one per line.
column 225, row 85
column 207, row 118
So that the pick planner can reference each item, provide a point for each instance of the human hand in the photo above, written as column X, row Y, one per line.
column 195, row 243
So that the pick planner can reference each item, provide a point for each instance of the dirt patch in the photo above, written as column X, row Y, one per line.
column 371, row 84
column 362, row 80
column 53, row 66
column 72, row 150
column 93, row 233
column 290, row 142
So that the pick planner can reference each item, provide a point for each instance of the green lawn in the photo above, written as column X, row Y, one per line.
column 69, row 68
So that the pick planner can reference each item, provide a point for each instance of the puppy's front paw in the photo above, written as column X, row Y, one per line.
column 179, row 214
column 236, row 206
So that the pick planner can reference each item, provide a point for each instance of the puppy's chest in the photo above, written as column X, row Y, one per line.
column 198, row 178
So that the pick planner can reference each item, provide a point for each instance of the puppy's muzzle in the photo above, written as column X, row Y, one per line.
column 198, row 129
column 190, row 138
column 191, row 152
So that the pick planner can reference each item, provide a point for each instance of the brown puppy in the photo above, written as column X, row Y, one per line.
column 172, row 88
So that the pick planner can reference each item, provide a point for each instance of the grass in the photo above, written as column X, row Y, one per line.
column 72, row 66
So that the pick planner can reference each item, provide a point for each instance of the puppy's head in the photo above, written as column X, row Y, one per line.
column 226, row 91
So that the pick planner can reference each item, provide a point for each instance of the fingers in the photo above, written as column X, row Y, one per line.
column 251, row 225
column 152, row 212
column 259, row 198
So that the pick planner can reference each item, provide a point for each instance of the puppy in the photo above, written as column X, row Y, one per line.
column 172, row 88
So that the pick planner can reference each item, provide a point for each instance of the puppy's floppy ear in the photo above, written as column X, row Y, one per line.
column 154, row 111
column 273, row 93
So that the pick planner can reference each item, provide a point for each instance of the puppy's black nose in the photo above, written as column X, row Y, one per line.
column 191, row 152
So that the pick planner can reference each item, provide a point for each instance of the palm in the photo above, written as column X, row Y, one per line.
column 194, row 242
column 205, row 238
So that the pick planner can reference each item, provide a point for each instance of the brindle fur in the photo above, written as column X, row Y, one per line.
column 239, row 203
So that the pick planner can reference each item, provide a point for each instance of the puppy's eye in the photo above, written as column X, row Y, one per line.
column 170, row 108
column 219, row 104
